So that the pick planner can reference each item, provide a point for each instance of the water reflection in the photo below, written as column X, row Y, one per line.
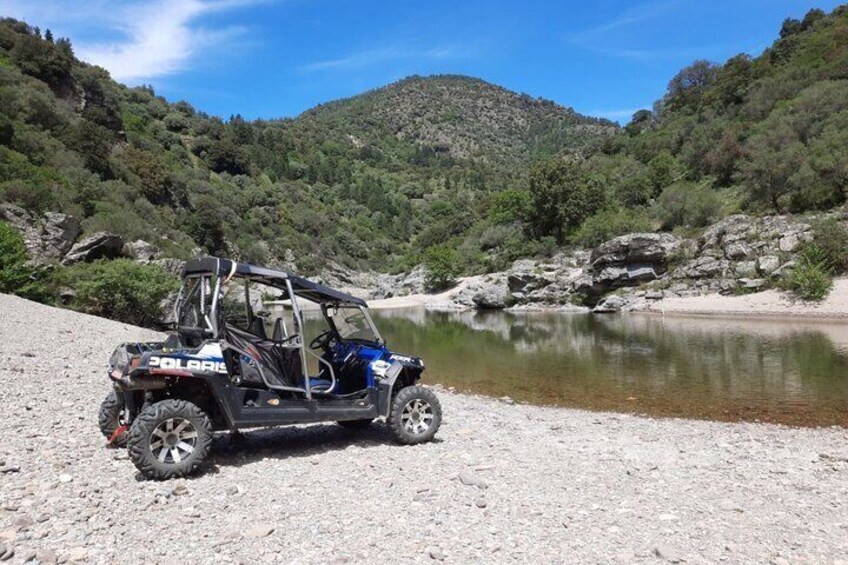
column 723, row 369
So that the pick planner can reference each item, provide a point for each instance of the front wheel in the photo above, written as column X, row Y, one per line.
column 416, row 415
column 169, row 439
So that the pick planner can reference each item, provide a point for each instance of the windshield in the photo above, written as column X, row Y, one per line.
column 351, row 323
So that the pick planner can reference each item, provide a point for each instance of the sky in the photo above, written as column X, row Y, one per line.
column 277, row 58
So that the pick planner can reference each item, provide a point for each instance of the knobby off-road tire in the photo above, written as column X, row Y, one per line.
column 111, row 416
column 168, row 439
column 355, row 424
column 416, row 415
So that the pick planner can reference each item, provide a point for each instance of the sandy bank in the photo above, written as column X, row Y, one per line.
column 769, row 303
column 504, row 484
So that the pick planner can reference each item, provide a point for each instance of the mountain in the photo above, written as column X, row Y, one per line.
column 459, row 117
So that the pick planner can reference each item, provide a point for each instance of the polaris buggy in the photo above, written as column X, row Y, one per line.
column 221, row 371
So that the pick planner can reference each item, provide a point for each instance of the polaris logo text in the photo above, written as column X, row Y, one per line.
column 196, row 365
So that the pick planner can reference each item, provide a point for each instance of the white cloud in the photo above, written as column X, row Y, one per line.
column 635, row 14
column 154, row 37
column 372, row 57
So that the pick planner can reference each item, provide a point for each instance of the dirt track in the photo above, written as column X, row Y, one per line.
column 505, row 483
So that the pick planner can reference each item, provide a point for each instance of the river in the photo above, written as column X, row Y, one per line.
column 790, row 372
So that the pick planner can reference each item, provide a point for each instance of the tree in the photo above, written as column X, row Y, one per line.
column 442, row 264
column 777, row 165
column 510, row 206
column 688, row 86
column 225, row 156
column 562, row 195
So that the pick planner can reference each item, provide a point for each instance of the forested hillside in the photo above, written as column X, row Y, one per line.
column 370, row 181
column 761, row 135
column 479, row 173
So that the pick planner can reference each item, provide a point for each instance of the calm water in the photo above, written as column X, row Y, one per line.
column 730, row 369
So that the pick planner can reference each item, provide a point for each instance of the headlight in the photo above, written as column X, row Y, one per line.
column 379, row 368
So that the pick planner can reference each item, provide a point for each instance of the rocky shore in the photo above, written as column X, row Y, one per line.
column 721, row 271
column 736, row 257
column 504, row 483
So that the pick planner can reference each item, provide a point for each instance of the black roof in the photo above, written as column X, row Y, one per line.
column 302, row 287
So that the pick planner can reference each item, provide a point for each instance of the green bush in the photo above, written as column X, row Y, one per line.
column 831, row 243
column 811, row 278
column 688, row 204
column 611, row 223
column 15, row 276
column 120, row 289
column 442, row 264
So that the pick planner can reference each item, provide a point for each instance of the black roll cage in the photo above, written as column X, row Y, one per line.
column 215, row 273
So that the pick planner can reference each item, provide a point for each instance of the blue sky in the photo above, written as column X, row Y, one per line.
column 276, row 58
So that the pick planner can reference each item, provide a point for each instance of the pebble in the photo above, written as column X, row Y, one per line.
column 481, row 503
column 77, row 554
column 471, row 479
column 435, row 553
column 259, row 531
column 65, row 478
column 179, row 489
column 46, row 556
column 6, row 552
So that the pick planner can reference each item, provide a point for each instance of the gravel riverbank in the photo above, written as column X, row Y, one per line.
column 504, row 483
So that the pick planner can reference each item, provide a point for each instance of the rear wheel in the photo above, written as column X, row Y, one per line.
column 169, row 439
column 416, row 415
column 111, row 417
column 355, row 424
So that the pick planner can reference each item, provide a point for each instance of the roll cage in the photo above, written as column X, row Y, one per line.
column 199, row 315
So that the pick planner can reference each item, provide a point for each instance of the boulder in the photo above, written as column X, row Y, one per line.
column 731, row 229
column 702, row 267
column 100, row 245
column 738, row 250
column 612, row 303
column 752, row 284
column 140, row 250
column 767, row 264
column 789, row 243
column 491, row 293
column 746, row 268
column 648, row 248
column 58, row 233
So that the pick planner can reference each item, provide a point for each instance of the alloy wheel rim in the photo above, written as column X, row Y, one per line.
column 173, row 440
column 417, row 416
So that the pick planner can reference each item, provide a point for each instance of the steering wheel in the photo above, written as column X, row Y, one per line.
column 322, row 340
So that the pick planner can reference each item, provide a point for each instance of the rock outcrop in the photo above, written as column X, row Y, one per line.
column 48, row 237
column 141, row 250
column 100, row 245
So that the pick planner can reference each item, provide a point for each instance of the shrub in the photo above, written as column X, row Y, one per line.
column 831, row 241
column 811, row 277
column 688, row 204
column 120, row 290
column 15, row 276
column 442, row 264
column 611, row 223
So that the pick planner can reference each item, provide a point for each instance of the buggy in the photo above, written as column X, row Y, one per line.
column 231, row 365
